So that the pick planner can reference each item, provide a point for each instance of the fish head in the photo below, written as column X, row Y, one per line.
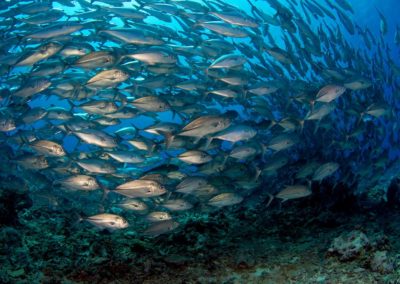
column 120, row 75
column 118, row 223
column 135, row 205
column 222, row 123
column 158, row 189
column 164, row 216
column 50, row 48
column 205, row 157
column 42, row 162
column 108, row 59
column 7, row 124
column 91, row 182
column 41, row 84
column 58, row 150
column 340, row 89
column 163, row 106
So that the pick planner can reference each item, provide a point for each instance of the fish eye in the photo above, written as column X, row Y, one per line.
column 112, row 223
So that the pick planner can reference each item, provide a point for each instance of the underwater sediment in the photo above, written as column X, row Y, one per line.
column 322, row 239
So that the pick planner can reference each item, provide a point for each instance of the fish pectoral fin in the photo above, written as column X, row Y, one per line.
column 208, row 142
column 197, row 140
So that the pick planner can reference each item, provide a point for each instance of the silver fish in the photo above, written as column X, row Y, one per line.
column 158, row 216
column 45, row 51
column 96, row 166
column 325, row 170
column 236, row 18
column 134, row 205
column 48, row 148
column 7, row 123
column 126, row 157
column 151, row 104
column 206, row 125
column 56, row 30
column 224, row 29
column 96, row 137
column 33, row 162
column 154, row 56
column 195, row 157
column 135, row 36
column 330, row 93
column 78, row 182
column 293, row 192
column 177, row 205
column 282, row 142
column 190, row 184
column 161, row 228
column 225, row 199
column 107, row 78
column 236, row 133
column 228, row 61
column 141, row 188
column 107, row 221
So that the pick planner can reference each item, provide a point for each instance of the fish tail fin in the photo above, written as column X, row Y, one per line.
column 225, row 156
column 273, row 123
column 106, row 192
column 271, row 197
column 169, row 159
column 301, row 126
column 263, row 151
column 205, row 94
column 141, row 4
column 151, row 149
column 67, row 63
column 168, row 137
column 20, row 39
column 245, row 94
column 168, row 196
column 317, row 127
column 181, row 116
column 360, row 118
column 9, row 69
column 257, row 173
column 206, row 71
column 78, row 219
column 55, row 183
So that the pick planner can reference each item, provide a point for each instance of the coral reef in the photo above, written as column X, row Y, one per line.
column 300, row 241
column 380, row 262
column 350, row 245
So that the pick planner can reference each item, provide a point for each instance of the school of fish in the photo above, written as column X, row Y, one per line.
column 140, row 113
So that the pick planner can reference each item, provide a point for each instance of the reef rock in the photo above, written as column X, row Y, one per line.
column 349, row 246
